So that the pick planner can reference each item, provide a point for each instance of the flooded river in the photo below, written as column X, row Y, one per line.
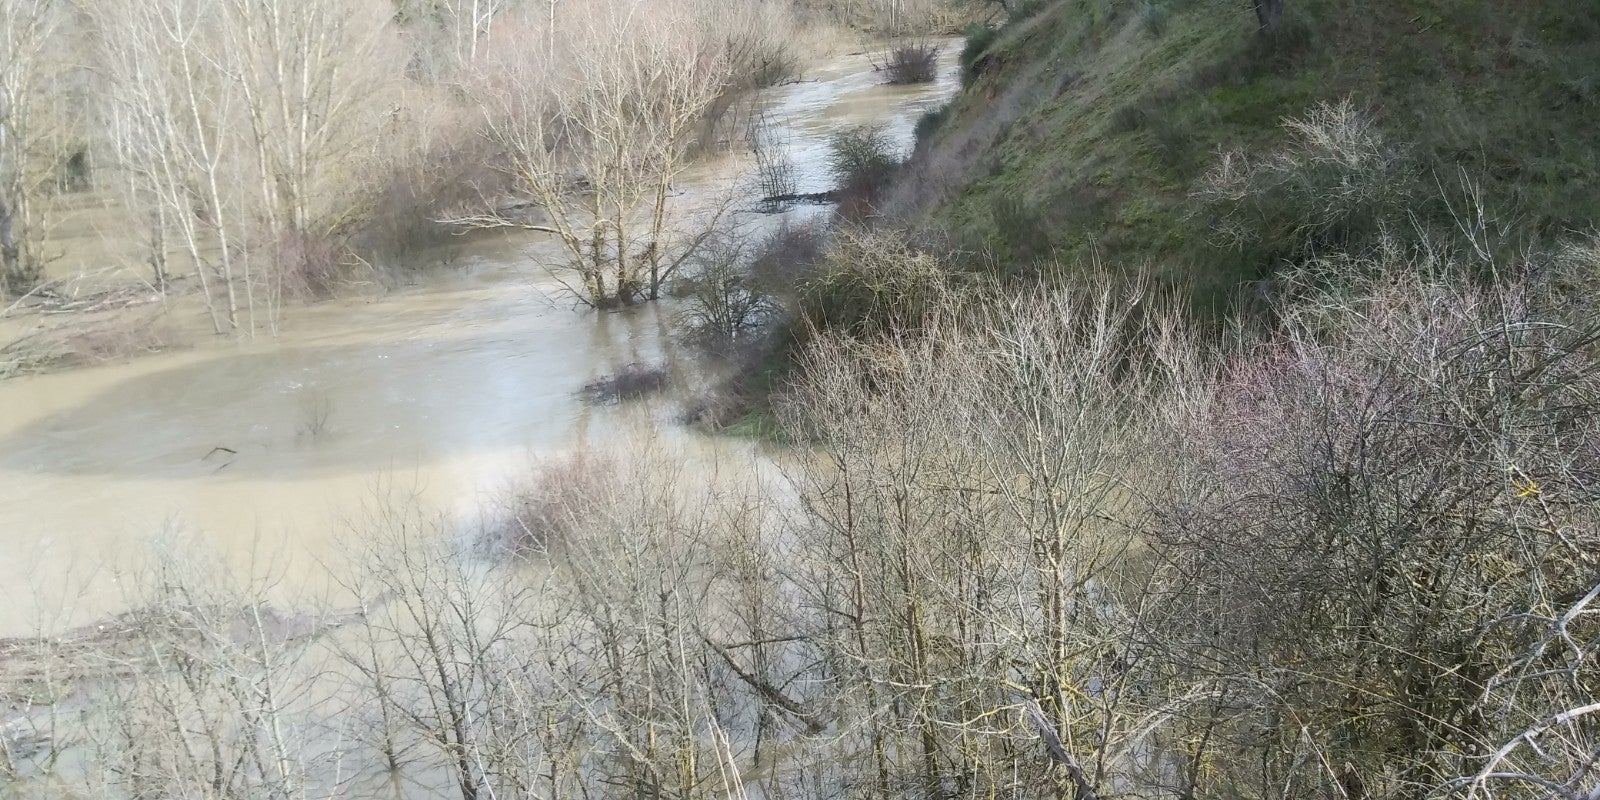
column 446, row 391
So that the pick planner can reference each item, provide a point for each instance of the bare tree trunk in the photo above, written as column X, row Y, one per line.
column 158, row 246
column 10, row 249
column 1268, row 13
column 8, row 231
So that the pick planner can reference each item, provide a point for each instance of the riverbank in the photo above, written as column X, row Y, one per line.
column 447, row 390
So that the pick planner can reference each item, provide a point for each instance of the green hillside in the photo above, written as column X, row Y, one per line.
column 1089, row 126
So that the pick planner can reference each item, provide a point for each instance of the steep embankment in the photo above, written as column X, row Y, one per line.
column 1091, row 128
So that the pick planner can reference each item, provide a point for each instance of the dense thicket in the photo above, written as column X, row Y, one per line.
column 1049, row 541
column 1038, row 535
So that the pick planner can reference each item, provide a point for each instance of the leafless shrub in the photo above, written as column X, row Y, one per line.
column 724, row 300
column 1406, row 448
column 1339, row 180
column 202, row 672
column 861, row 158
column 31, row 353
column 110, row 336
column 1569, row 277
column 309, row 267
column 764, row 295
column 743, row 387
column 632, row 382
column 786, row 257
column 591, row 671
column 862, row 161
column 873, row 284
column 316, row 409
column 1537, row 702
column 993, row 452
column 911, row 63
column 119, row 337
column 454, row 169
column 543, row 510
column 776, row 175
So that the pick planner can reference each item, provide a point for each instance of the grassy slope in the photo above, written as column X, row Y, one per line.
column 1091, row 121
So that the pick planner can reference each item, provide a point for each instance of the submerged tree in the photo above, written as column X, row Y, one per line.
column 595, row 131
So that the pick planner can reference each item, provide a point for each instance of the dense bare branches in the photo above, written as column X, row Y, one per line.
column 1387, row 485
column 34, row 98
column 240, row 125
column 1046, row 541
column 265, row 149
column 596, row 129
column 975, row 534
column 1336, row 181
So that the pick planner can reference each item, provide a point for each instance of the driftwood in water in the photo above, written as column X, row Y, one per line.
column 803, row 198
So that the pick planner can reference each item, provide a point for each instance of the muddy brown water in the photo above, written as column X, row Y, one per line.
column 446, row 391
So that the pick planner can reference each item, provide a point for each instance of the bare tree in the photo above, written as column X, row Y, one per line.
column 1419, row 454
column 596, row 131
column 897, row 18
column 241, row 125
column 205, row 689
column 453, row 33
column 30, row 71
column 310, row 79
column 173, row 118
column 1544, row 709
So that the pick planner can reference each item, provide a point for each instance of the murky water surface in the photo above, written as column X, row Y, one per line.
column 446, row 391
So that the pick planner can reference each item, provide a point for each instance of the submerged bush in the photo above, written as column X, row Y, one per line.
column 777, row 177
column 788, row 256
column 723, row 300
column 633, row 381
column 311, row 266
column 912, row 63
column 862, row 161
column 547, row 506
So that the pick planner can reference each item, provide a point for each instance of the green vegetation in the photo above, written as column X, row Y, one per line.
column 1318, row 552
column 979, row 37
column 1106, row 119
column 861, row 158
